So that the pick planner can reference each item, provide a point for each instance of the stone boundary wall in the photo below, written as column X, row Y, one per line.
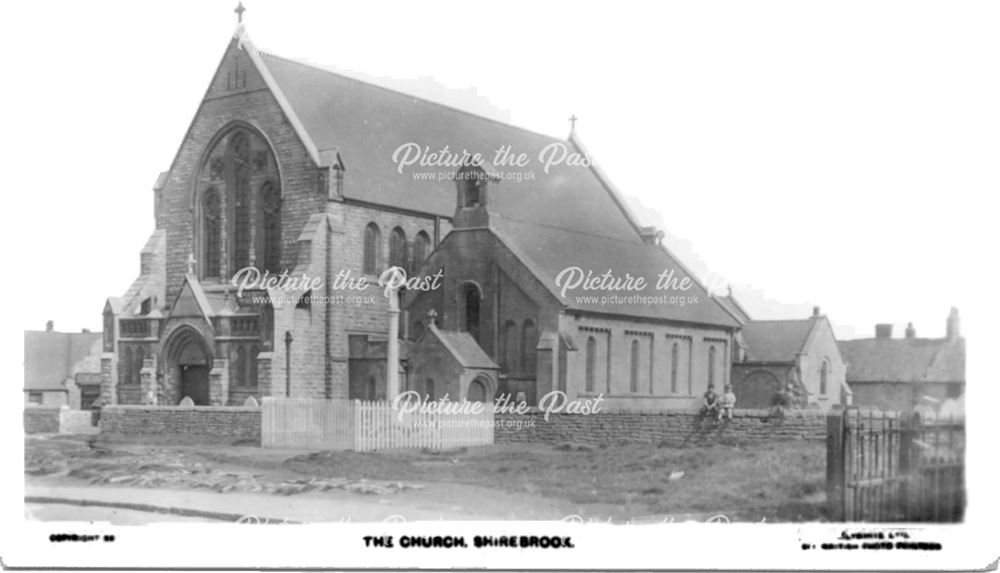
column 669, row 428
column 41, row 419
column 230, row 421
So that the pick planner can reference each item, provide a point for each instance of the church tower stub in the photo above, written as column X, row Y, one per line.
column 474, row 185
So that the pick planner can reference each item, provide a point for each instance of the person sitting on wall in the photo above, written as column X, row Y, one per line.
column 710, row 406
column 727, row 403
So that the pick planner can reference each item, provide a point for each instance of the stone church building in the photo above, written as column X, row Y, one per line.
column 290, row 168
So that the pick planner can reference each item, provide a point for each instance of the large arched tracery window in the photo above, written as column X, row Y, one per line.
column 239, row 205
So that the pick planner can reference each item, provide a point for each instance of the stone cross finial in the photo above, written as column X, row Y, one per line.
column 572, row 123
column 191, row 262
column 239, row 13
column 432, row 316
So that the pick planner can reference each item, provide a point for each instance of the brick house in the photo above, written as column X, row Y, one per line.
column 289, row 169
column 904, row 373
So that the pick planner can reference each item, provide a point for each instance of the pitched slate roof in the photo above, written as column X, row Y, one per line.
column 904, row 359
column 734, row 308
column 366, row 123
column 776, row 340
column 547, row 251
column 464, row 348
column 49, row 356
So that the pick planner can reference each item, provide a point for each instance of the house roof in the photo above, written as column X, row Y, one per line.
column 464, row 348
column 548, row 250
column 776, row 340
column 904, row 359
column 49, row 356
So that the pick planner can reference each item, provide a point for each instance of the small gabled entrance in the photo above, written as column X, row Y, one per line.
column 188, row 365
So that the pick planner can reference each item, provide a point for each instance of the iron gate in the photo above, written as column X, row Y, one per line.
column 890, row 467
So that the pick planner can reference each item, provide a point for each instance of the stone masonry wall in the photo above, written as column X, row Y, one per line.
column 237, row 422
column 671, row 428
column 41, row 419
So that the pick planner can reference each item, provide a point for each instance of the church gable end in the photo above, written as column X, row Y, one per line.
column 236, row 73
column 283, row 179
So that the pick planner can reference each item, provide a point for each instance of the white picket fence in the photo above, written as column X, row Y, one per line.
column 306, row 423
column 367, row 426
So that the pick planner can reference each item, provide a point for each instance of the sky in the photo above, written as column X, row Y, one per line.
column 840, row 155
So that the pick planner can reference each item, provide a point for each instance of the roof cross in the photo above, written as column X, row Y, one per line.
column 432, row 316
column 239, row 12
column 572, row 123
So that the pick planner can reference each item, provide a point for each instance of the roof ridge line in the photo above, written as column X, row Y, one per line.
column 499, row 215
column 319, row 67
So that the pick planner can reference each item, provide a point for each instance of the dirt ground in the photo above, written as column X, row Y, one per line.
column 777, row 482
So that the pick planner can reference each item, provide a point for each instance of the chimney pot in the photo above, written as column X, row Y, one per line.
column 883, row 330
column 910, row 331
column 816, row 311
column 49, row 326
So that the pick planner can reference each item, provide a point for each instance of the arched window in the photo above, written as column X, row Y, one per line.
column 373, row 244
column 471, row 182
column 824, row 373
column 508, row 347
column 269, row 252
column 241, row 367
column 211, row 210
column 397, row 248
column 472, row 299
column 590, row 358
column 675, row 356
column 125, row 367
column 252, row 366
column 239, row 199
column 711, row 365
column 140, row 357
column 529, row 342
column 239, row 157
column 421, row 248
column 477, row 391
column 109, row 331
column 267, row 325
column 634, row 374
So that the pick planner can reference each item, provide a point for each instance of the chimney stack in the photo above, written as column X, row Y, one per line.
column 953, row 330
column 883, row 330
column 49, row 326
column 815, row 312
column 910, row 331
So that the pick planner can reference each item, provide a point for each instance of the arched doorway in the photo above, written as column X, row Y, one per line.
column 757, row 390
column 189, row 363
column 479, row 391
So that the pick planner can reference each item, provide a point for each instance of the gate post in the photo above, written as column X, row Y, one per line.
column 909, row 466
column 835, row 476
